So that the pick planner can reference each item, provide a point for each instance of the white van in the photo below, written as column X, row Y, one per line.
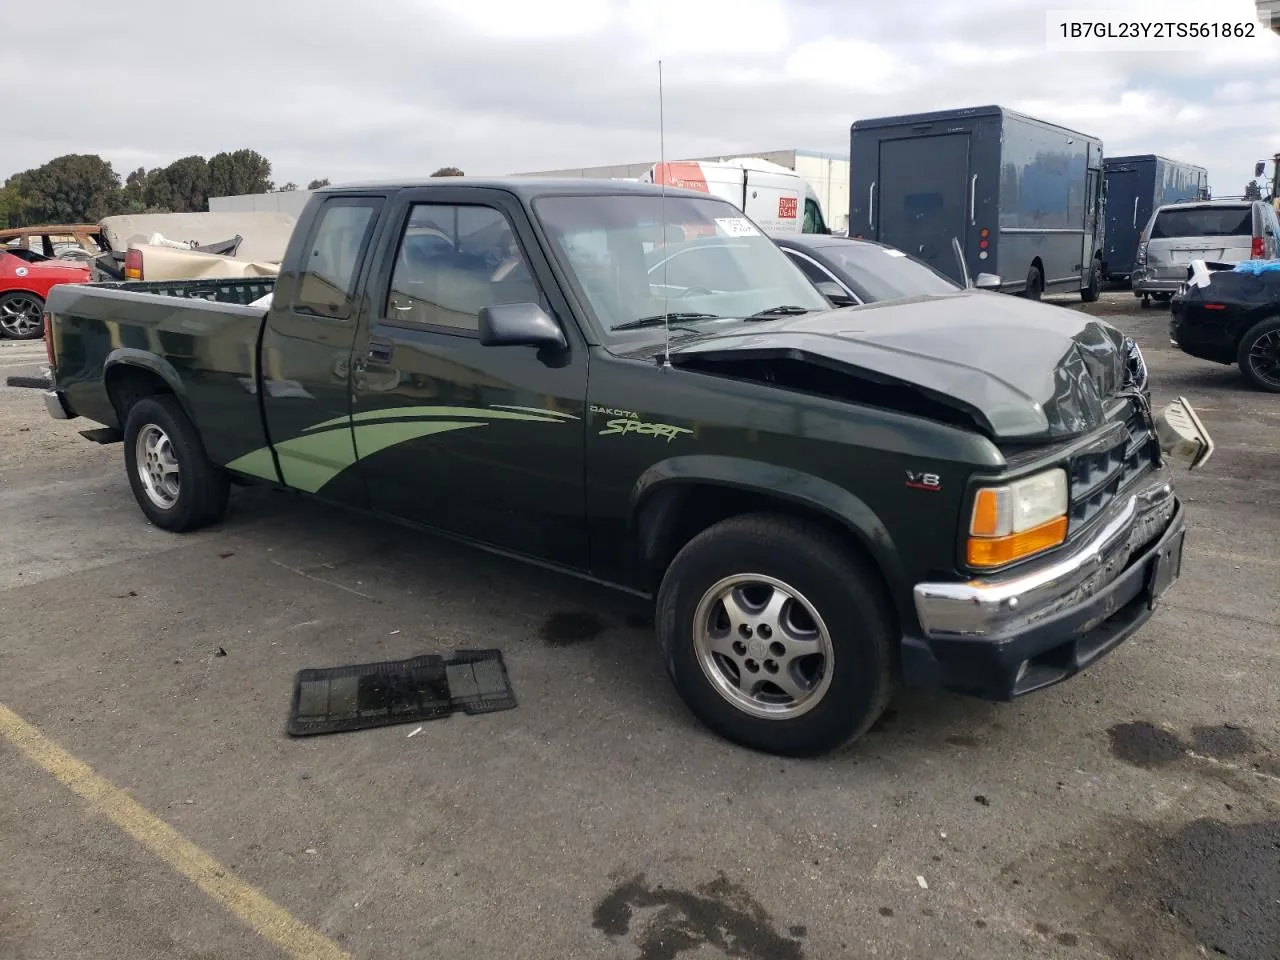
column 779, row 200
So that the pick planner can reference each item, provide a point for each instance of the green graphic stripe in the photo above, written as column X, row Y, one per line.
column 310, row 461
column 538, row 410
column 395, row 412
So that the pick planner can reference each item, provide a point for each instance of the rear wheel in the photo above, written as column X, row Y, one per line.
column 1091, row 292
column 1259, row 355
column 21, row 316
column 173, row 480
column 1035, row 284
column 777, row 636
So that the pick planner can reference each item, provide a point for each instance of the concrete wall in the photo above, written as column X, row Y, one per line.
column 290, row 203
column 828, row 174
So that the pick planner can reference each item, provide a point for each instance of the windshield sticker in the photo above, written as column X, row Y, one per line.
column 736, row 227
column 627, row 421
column 890, row 252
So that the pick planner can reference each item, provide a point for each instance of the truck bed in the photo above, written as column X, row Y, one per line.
column 199, row 336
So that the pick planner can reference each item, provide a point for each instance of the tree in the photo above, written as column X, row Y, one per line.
column 1252, row 191
column 76, row 188
column 287, row 188
column 239, row 172
column 181, row 187
column 317, row 184
column 448, row 172
column 11, row 207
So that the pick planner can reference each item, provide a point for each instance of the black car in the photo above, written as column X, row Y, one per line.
column 1231, row 317
column 849, row 271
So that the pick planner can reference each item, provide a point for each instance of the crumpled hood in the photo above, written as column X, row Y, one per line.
column 1024, row 371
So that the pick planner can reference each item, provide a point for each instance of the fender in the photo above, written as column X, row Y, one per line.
column 162, row 368
column 802, row 489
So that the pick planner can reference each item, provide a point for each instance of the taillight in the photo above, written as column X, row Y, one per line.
column 1257, row 251
column 133, row 265
column 48, row 338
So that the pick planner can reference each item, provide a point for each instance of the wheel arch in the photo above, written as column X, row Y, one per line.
column 130, row 374
column 675, row 500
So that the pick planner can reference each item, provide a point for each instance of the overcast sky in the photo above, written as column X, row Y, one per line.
column 387, row 88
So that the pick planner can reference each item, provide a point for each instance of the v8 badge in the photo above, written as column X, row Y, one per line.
column 919, row 480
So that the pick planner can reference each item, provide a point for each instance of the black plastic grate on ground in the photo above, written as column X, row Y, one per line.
column 366, row 695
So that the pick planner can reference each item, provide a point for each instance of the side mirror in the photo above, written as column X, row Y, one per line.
column 835, row 293
column 519, row 325
column 988, row 281
column 1259, row 168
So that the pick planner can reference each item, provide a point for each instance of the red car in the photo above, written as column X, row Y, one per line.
column 25, row 280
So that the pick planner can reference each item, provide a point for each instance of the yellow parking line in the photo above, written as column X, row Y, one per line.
column 267, row 919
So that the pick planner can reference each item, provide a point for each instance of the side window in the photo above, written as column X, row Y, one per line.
column 813, row 222
column 811, row 270
column 326, row 283
column 454, row 260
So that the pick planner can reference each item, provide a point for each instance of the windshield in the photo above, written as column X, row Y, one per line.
column 708, row 260
column 1203, row 222
column 883, row 273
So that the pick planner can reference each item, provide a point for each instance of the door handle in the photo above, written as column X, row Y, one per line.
column 973, row 199
column 380, row 351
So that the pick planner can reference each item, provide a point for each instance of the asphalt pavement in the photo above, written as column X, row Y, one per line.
column 152, row 806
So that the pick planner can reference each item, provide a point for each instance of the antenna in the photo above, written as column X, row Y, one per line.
column 662, row 217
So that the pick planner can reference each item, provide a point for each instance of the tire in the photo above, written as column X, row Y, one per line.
column 1259, row 355
column 1091, row 293
column 21, row 316
column 158, row 431
column 1146, row 302
column 776, row 557
column 1035, row 284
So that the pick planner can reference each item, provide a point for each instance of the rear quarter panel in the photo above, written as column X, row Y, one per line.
column 206, row 352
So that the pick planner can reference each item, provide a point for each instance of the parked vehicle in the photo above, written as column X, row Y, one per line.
column 778, row 200
column 1024, row 197
column 26, row 277
column 849, row 272
column 53, row 241
column 1133, row 187
column 1232, row 317
column 182, row 246
column 1223, row 231
column 820, row 502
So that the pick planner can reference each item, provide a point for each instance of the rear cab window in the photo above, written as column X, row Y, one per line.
column 337, row 245
column 1203, row 222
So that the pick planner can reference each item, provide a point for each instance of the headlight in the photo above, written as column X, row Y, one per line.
column 1136, row 364
column 1019, row 519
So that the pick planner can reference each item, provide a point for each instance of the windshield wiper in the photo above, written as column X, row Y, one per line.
column 659, row 319
column 786, row 310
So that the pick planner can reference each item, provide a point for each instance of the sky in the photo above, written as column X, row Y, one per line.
column 398, row 88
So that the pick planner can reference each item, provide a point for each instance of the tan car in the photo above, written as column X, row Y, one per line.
column 191, row 246
column 79, row 242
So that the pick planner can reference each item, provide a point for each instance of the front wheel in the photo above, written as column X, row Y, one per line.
column 21, row 316
column 1259, row 355
column 1035, row 284
column 1090, row 293
column 777, row 635
column 172, row 478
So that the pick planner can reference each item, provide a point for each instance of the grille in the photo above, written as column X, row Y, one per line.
column 1102, row 470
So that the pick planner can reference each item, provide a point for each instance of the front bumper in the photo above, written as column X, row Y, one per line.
column 1002, row 637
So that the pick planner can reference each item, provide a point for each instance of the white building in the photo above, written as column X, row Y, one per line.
column 827, row 173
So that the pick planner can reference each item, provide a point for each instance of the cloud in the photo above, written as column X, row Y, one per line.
column 401, row 87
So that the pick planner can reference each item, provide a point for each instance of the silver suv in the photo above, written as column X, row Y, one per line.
column 1225, row 231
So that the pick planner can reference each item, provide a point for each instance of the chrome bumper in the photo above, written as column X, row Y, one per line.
column 1003, row 608
column 53, row 404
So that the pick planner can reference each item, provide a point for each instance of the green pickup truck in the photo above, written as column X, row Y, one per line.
column 965, row 491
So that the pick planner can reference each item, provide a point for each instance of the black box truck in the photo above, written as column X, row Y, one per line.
column 1022, row 197
column 1133, row 188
